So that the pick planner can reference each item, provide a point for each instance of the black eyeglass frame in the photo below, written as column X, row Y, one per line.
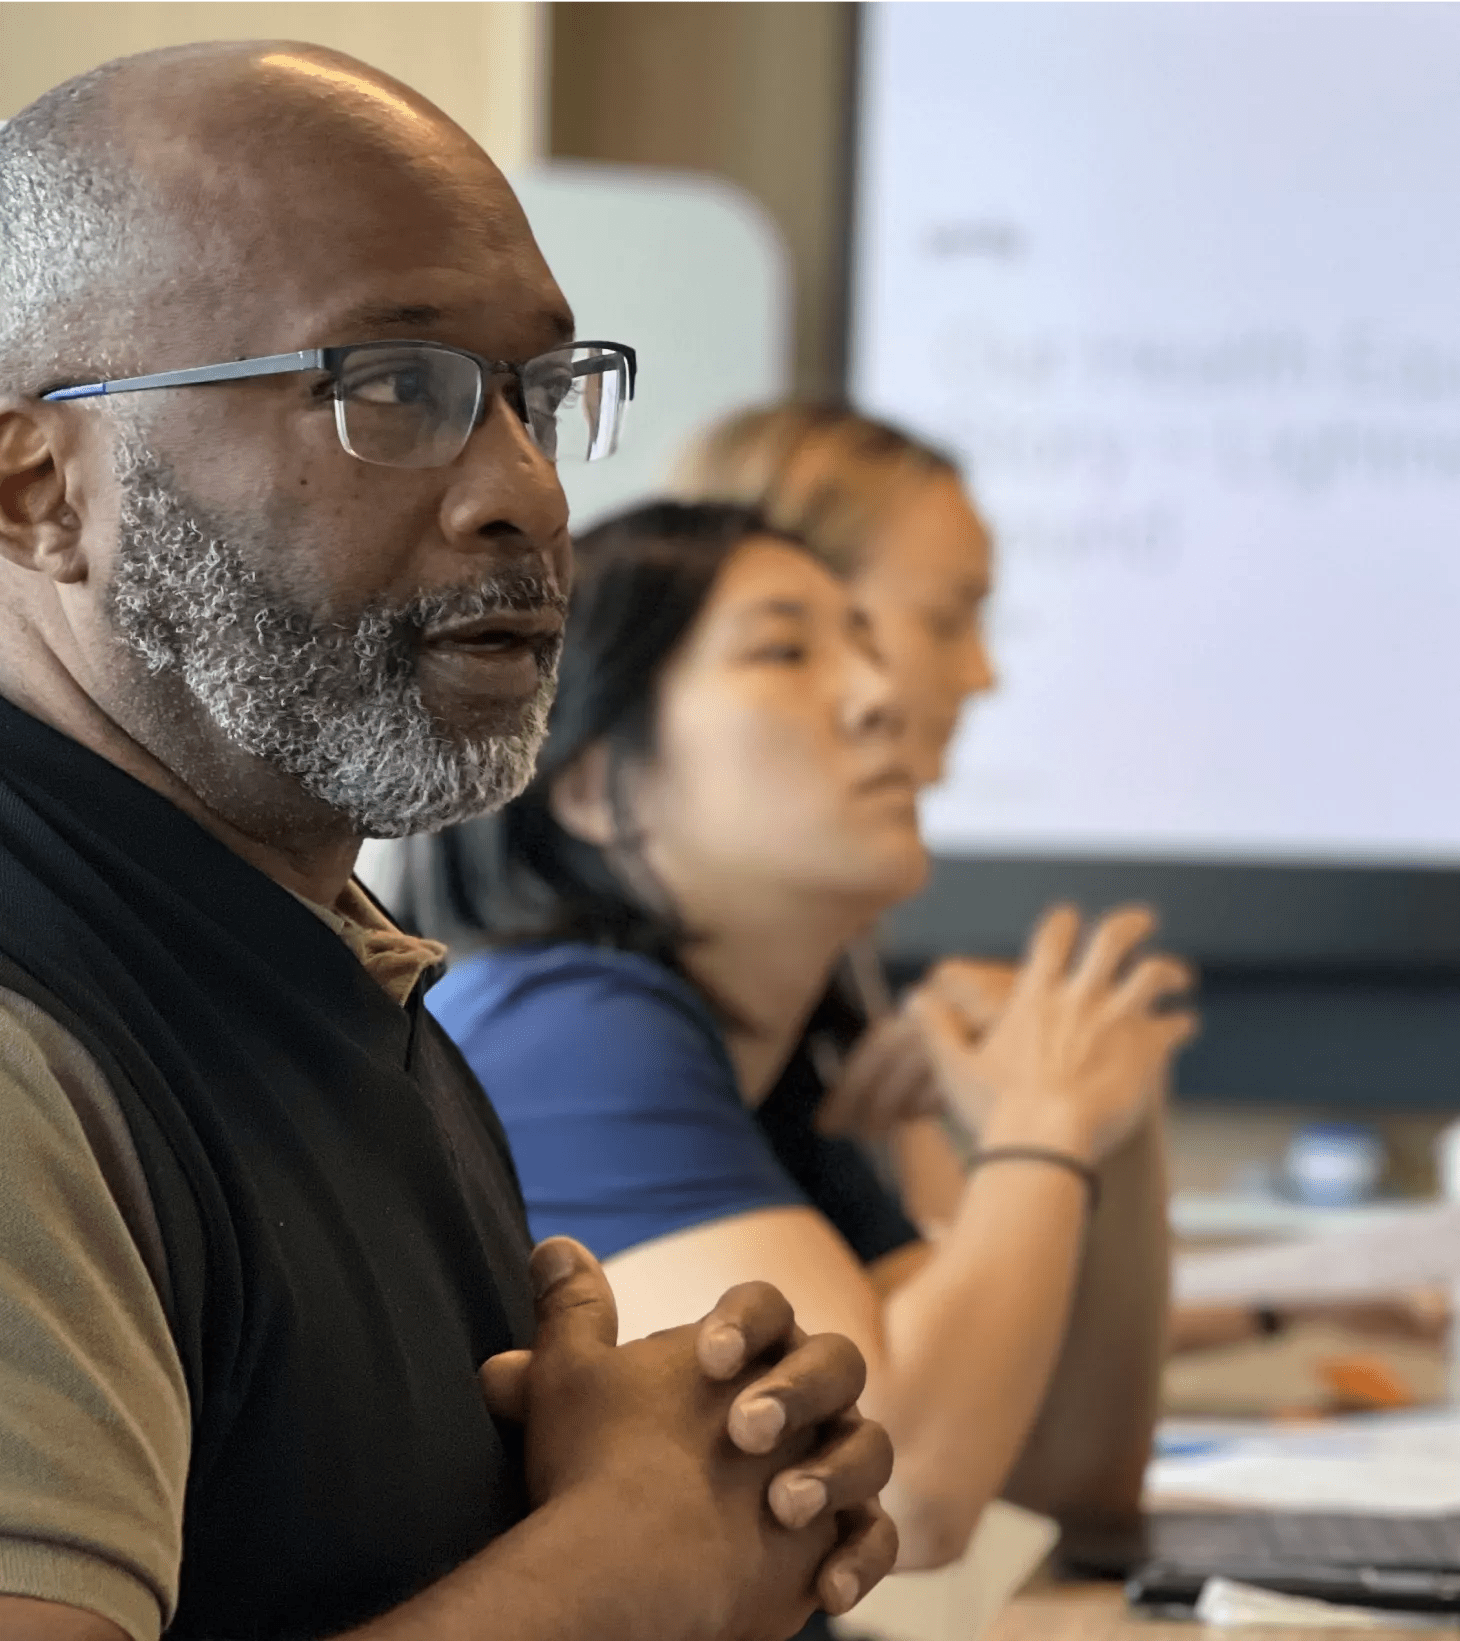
column 330, row 360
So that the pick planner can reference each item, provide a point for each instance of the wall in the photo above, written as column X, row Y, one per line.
column 759, row 94
column 482, row 63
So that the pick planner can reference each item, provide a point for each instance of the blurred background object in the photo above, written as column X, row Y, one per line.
column 1333, row 1165
column 689, row 267
column 1167, row 279
column 761, row 96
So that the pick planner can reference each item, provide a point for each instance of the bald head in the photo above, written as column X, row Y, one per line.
column 169, row 200
column 209, row 583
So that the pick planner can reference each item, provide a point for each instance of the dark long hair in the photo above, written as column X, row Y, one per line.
column 641, row 580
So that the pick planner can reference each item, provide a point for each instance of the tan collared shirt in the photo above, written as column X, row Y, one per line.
column 94, row 1418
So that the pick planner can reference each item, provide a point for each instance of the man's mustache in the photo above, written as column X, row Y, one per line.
column 520, row 592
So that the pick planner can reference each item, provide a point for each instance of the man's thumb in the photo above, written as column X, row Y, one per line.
column 575, row 1304
column 504, row 1384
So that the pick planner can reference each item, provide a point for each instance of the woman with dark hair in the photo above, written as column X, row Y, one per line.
column 891, row 515
column 725, row 802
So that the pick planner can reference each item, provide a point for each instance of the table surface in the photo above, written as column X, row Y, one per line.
column 1097, row 1612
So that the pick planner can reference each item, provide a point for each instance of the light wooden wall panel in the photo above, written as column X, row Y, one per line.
column 481, row 62
column 756, row 93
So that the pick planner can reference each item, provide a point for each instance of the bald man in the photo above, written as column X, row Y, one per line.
column 283, row 559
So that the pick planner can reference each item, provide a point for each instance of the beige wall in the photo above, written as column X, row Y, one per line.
column 756, row 93
column 481, row 62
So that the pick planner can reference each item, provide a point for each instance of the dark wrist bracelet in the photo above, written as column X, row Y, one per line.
column 1042, row 1153
column 1268, row 1321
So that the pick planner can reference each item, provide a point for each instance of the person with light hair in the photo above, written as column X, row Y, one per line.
column 889, row 512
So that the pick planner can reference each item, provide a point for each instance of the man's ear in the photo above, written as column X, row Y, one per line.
column 580, row 801
column 39, row 528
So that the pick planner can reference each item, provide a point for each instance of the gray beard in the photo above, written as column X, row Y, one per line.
column 338, row 708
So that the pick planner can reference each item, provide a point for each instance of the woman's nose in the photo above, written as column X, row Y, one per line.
column 978, row 671
column 871, row 705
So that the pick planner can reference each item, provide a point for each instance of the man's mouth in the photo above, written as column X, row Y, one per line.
column 499, row 633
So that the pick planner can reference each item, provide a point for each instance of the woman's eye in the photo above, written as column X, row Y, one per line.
column 948, row 626
column 785, row 655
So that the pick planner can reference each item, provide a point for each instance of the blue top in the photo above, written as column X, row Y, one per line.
column 612, row 1079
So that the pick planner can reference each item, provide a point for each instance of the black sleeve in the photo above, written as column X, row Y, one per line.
column 836, row 1174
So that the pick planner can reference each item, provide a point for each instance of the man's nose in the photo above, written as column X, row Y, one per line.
column 502, row 488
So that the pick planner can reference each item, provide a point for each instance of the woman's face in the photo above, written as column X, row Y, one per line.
column 923, row 585
column 780, row 768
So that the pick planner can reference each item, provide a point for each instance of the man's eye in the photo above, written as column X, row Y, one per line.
column 400, row 385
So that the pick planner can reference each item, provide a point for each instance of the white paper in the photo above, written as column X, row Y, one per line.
column 960, row 1601
column 1226, row 1604
column 1417, row 1248
column 1387, row 1464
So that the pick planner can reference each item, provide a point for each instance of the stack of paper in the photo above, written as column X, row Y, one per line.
column 1226, row 1604
column 1400, row 1251
column 1404, row 1464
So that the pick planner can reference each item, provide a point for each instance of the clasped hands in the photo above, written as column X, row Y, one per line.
column 1072, row 1045
column 735, row 1441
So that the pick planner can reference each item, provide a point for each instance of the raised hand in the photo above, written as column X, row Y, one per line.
column 888, row 1078
column 891, row 1075
column 1075, row 1056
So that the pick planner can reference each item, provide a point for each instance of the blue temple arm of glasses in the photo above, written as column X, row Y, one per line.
column 272, row 364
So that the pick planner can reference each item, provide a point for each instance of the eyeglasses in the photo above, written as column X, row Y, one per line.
column 416, row 404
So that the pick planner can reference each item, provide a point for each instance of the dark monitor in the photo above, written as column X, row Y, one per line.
column 1321, row 985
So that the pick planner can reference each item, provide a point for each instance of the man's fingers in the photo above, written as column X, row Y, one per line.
column 747, row 1322
column 575, row 1305
column 864, row 1557
column 850, row 1468
column 813, row 1383
column 1111, row 943
column 504, row 1384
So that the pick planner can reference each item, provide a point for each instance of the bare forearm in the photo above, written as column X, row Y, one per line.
column 969, row 1343
column 1087, row 1452
column 992, row 1334
column 931, row 1175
